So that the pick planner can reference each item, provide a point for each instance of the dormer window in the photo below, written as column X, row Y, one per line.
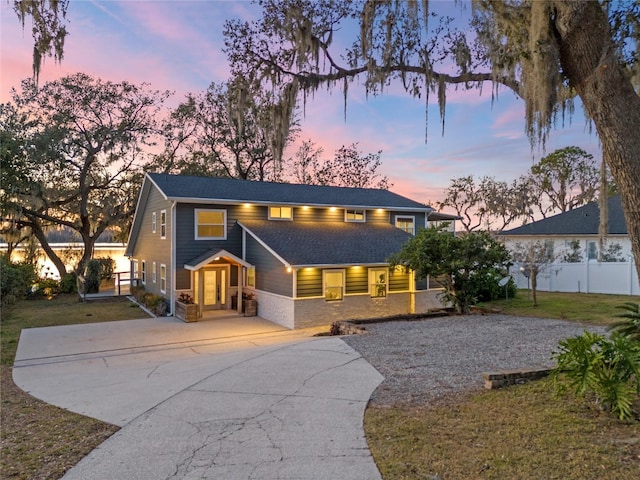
column 408, row 224
column 280, row 213
column 352, row 215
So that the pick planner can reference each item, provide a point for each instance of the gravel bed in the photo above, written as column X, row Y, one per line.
column 431, row 359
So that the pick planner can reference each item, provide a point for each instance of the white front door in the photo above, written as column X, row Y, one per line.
column 214, row 285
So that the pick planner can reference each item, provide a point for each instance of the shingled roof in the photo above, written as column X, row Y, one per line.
column 579, row 221
column 331, row 243
column 230, row 190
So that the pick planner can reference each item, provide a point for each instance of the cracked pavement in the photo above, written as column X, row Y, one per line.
column 275, row 405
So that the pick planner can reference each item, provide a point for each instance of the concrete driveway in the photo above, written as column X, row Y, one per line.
column 236, row 398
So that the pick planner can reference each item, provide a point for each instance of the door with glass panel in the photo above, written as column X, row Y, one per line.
column 214, row 288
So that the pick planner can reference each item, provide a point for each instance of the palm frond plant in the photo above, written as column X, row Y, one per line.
column 629, row 325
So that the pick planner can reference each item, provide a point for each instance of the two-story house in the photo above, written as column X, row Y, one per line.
column 309, row 254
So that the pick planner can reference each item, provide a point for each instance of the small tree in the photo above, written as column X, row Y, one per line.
column 457, row 261
column 613, row 253
column 573, row 254
column 534, row 258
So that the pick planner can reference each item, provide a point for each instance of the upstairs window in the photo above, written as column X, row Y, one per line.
column 211, row 224
column 408, row 224
column 280, row 213
column 163, row 224
column 153, row 222
column 351, row 215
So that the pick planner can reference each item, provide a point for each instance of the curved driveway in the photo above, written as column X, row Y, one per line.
column 239, row 398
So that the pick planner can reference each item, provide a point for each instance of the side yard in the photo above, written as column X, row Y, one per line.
column 432, row 419
column 40, row 441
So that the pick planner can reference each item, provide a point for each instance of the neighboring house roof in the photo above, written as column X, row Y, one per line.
column 332, row 243
column 579, row 221
column 229, row 190
column 443, row 217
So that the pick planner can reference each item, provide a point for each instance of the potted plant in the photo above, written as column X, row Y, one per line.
column 249, row 304
column 186, row 310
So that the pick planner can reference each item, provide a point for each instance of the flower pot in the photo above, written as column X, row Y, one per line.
column 250, row 307
column 187, row 312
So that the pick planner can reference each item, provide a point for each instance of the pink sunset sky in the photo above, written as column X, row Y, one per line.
column 177, row 46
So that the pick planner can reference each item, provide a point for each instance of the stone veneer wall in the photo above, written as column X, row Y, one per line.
column 426, row 300
column 313, row 312
column 317, row 311
column 276, row 308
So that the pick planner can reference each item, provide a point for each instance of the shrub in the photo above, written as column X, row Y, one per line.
column 68, row 283
column 107, row 266
column 93, row 275
column 610, row 368
column 156, row 303
column 484, row 286
column 16, row 280
column 47, row 287
column 138, row 292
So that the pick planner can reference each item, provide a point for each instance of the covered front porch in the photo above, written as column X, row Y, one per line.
column 217, row 280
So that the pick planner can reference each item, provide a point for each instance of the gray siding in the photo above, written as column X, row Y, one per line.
column 419, row 218
column 271, row 274
column 398, row 281
column 149, row 246
column 375, row 216
column 190, row 248
column 317, row 214
column 357, row 280
column 309, row 282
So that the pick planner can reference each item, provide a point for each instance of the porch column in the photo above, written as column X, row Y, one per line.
column 240, row 282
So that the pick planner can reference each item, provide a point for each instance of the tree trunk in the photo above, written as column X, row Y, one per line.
column 534, row 286
column 589, row 61
column 44, row 243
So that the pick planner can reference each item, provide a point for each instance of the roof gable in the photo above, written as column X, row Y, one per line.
column 230, row 190
column 579, row 221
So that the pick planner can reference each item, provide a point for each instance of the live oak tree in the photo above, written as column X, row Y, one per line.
column 566, row 178
column 489, row 203
column 48, row 28
column 547, row 51
column 349, row 167
column 76, row 164
column 225, row 131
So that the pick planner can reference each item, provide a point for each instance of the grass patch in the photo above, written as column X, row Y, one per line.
column 593, row 308
column 39, row 440
column 521, row 432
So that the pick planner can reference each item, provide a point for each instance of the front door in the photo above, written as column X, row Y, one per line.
column 214, row 286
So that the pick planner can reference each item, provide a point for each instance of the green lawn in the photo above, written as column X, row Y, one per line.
column 40, row 441
column 592, row 308
column 520, row 432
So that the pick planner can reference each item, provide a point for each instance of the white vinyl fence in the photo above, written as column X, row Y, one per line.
column 618, row 278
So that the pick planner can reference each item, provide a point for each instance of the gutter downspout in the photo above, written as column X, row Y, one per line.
column 172, row 293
